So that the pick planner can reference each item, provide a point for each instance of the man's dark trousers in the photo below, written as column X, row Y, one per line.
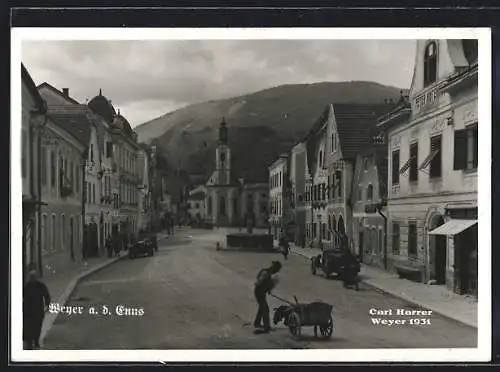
column 263, row 311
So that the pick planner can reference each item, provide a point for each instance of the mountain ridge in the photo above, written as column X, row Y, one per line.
column 270, row 120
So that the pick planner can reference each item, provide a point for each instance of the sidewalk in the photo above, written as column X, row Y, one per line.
column 63, row 282
column 432, row 297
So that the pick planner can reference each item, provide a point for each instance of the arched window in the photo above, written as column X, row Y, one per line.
column 321, row 159
column 369, row 192
column 430, row 64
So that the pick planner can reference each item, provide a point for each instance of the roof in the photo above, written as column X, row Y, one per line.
column 123, row 124
column 77, row 124
column 102, row 106
column 30, row 84
column 57, row 91
column 355, row 123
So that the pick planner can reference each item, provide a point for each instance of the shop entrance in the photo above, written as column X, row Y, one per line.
column 438, row 244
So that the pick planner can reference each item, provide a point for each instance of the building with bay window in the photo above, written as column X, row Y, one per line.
column 433, row 158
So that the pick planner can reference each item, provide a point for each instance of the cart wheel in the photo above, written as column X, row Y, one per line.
column 326, row 331
column 313, row 266
column 294, row 325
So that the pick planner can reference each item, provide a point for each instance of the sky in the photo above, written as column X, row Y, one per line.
column 146, row 79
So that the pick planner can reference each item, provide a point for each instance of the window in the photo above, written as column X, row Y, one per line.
column 43, row 164
column 70, row 171
column 430, row 64
column 412, row 239
column 93, row 193
column 53, row 169
column 369, row 192
column 334, row 142
column 24, row 154
column 320, row 159
column 314, row 234
column 53, row 235
column 338, row 177
column 435, row 163
column 466, row 148
column 77, row 178
column 395, row 167
column 414, row 162
column 366, row 164
column 63, row 231
column 45, row 235
column 109, row 149
column 360, row 193
column 91, row 152
column 395, row 239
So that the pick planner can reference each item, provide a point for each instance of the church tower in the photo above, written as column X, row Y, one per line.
column 223, row 156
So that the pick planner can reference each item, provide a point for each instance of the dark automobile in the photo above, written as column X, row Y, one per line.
column 334, row 261
column 140, row 248
column 151, row 237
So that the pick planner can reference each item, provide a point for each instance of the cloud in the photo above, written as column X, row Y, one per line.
column 146, row 79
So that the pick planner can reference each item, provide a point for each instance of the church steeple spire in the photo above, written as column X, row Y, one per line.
column 223, row 132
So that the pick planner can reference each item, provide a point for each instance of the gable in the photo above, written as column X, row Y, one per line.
column 355, row 124
column 451, row 57
column 54, row 96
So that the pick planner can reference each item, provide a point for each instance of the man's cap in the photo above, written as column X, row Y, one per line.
column 276, row 264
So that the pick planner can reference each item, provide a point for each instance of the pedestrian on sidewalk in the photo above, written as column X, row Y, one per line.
column 36, row 300
column 284, row 247
column 264, row 284
column 109, row 246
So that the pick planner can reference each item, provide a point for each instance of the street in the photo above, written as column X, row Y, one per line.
column 195, row 297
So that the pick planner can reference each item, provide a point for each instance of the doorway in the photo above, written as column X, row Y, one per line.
column 439, row 244
column 467, row 247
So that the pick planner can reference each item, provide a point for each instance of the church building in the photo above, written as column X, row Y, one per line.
column 229, row 201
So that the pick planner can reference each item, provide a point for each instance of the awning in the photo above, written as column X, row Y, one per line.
column 453, row 227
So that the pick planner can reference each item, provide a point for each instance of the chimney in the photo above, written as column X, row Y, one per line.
column 66, row 92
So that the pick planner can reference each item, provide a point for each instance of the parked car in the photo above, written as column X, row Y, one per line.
column 151, row 237
column 140, row 248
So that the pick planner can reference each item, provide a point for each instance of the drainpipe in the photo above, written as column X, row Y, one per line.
column 385, row 235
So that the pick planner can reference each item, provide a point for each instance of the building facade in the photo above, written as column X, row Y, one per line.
column 33, row 119
column 433, row 156
column 297, row 181
column 59, row 169
column 369, row 203
column 278, row 206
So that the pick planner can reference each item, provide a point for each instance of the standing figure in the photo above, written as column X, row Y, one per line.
column 36, row 300
column 109, row 246
column 264, row 284
column 284, row 247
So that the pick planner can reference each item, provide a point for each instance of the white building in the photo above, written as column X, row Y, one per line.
column 433, row 168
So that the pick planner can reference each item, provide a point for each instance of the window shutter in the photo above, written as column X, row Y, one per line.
column 460, row 150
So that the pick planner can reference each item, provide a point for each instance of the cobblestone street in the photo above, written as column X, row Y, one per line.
column 194, row 297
